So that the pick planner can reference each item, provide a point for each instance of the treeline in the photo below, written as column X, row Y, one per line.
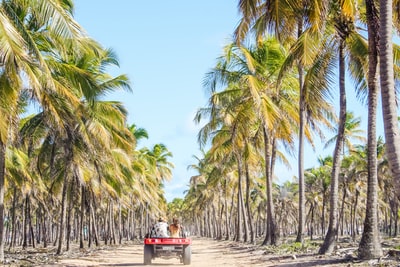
column 271, row 94
column 70, row 166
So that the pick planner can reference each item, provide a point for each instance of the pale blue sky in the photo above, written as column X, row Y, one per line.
column 166, row 47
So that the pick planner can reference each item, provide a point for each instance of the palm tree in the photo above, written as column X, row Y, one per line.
column 352, row 132
column 389, row 107
column 139, row 133
column 347, row 40
column 370, row 246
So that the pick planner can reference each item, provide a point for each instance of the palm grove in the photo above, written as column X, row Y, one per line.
column 271, row 92
column 72, row 172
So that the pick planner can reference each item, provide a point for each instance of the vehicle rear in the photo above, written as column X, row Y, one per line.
column 167, row 248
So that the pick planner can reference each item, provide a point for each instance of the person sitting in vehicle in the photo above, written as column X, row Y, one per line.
column 175, row 228
column 160, row 229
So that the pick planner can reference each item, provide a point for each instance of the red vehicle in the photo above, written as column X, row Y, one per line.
column 167, row 248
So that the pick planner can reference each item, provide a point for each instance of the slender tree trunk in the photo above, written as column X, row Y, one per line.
column 130, row 223
column 222, row 219
column 13, row 222
column 389, row 102
column 120, row 234
column 25, row 224
column 228, row 234
column 62, row 218
column 107, row 224
column 82, row 216
column 302, row 115
column 31, row 231
column 272, row 232
column 396, row 223
column 44, row 223
column 69, row 214
column 112, row 223
column 68, row 163
column 2, row 178
column 323, row 213
column 231, row 216
column 248, row 208
column 354, row 231
column 134, row 224
column 329, row 241
column 239, row 231
column 370, row 246
column 93, row 219
column 311, row 228
column 344, row 195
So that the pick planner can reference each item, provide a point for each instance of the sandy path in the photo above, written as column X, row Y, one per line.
column 204, row 253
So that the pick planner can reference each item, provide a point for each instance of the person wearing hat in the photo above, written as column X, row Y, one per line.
column 160, row 229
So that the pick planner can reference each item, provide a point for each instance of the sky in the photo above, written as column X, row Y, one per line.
column 166, row 48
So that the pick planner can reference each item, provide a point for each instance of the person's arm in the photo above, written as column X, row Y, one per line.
column 182, row 231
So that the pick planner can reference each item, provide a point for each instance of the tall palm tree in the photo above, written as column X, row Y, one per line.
column 389, row 107
column 352, row 43
column 370, row 246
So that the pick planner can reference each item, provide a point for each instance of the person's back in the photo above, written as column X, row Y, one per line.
column 175, row 228
column 160, row 229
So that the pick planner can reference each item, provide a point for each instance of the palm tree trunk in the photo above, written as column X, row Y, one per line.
column 324, row 199
column 248, row 208
column 272, row 232
column 112, row 223
column 25, row 225
column 227, row 234
column 94, row 234
column 302, row 115
column 119, row 224
column 221, row 216
column 389, row 102
column 133, row 224
column 62, row 218
column 329, row 241
column 242, row 204
column 370, row 246
column 69, row 214
column 30, row 225
column 341, row 213
column 231, row 216
column 239, row 213
column 81, row 216
column 396, row 223
column 2, row 177
column 354, row 231
column 67, row 166
column 13, row 222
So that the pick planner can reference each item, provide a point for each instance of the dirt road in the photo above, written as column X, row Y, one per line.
column 205, row 252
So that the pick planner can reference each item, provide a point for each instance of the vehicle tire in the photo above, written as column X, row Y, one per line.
column 148, row 254
column 187, row 254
